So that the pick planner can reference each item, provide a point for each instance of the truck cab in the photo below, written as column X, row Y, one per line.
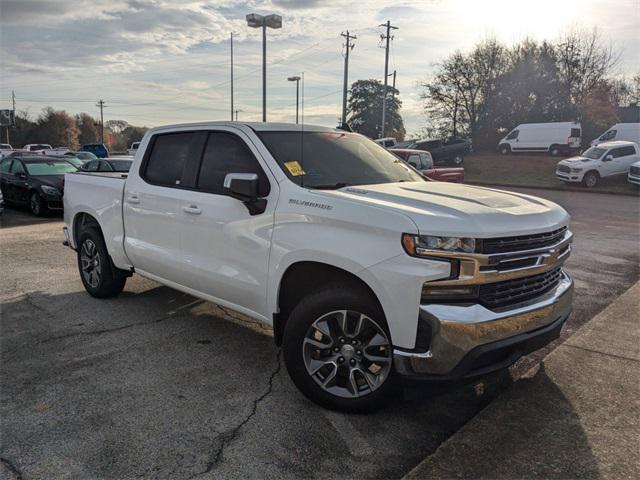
column 367, row 273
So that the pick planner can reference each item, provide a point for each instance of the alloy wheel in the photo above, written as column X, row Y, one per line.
column 91, row 265
column 347, row 353
column 35, row 204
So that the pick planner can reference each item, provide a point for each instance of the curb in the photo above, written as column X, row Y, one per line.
column 555, row 189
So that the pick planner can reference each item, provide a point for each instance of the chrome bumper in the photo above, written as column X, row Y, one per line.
column 459, row 329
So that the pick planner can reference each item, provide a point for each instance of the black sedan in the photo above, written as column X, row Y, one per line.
column 34, row 181
column 112, row 164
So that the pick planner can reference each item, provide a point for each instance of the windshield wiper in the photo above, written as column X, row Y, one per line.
column 329, row 186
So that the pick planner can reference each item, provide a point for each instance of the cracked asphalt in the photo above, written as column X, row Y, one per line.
column 158, row 384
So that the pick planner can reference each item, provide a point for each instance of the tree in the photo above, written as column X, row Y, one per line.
column 626, row 92
column 365, row 110
column 57, row 128
column 87, row 127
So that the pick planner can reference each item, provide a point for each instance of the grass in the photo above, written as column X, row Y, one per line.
column 532, row 170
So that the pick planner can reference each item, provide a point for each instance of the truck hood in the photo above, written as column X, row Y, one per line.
column 447, row 209
column 574, row 161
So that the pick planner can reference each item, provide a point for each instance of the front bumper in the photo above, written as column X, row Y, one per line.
column 471, row 340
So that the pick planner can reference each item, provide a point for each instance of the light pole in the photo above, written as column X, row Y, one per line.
column 297, row 80
column 263, row 21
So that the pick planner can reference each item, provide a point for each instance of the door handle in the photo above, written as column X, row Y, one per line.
column 133, row 199
column 192, row 209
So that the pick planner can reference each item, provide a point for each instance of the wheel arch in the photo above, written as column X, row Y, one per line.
column 81, row 222
column 306, row 276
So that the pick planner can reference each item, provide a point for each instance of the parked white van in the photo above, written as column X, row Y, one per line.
column 629, row 132
column 604, row 160
column 552, row 137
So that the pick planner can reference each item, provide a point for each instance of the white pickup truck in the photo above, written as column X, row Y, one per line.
column 368, row 273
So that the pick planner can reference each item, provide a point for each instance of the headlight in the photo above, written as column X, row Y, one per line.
column 50, row 190
column 576, row 170
column 419, row 245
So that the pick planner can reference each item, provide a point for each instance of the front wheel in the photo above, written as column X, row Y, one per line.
column 36, row 204
column 590, row 179
column 99, row 276
column 338, row 352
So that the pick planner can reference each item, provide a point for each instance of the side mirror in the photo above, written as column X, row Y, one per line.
column 608, row 158
column 243, row 186
column 414, row 165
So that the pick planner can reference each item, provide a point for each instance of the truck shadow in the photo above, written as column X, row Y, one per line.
column 159, row 383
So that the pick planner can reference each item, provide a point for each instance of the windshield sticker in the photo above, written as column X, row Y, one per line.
column 304, row 203
column 294, row 168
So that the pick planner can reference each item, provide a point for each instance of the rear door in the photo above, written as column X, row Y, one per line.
column 225, row 247
column 152, row 204
column 623, row 157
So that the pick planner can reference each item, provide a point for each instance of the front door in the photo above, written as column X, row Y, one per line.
column 225, row 247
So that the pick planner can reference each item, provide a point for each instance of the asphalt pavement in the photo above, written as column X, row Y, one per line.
column 159, row 384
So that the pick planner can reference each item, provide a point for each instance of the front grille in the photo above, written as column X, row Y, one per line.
column 634, row 170
column 563, row 169
column 521, row 242
column 510, row 292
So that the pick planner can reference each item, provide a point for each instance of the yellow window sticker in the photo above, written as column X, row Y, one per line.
column 294, row 168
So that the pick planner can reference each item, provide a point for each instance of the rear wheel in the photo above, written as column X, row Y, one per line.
column 99, row 277
column 338, row 352
column 590, row 179
column 554, row 150
column 36, row 205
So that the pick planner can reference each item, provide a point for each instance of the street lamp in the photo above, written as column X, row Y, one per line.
column 297, row 80
column 263, row 21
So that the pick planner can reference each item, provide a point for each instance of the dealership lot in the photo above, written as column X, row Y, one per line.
column 158, row 383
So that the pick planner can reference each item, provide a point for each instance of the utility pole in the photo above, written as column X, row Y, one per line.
column 101, row 105
column 231, row 76
column 386, row 37
column 348, row 46
column 237, row 115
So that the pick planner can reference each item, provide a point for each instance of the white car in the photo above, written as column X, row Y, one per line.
column 620, row 131
column 366, row 271
column 387, row 142
column 41, row 148
column 5, row 149
column 605, row 160
column 134, row 148
column 634, row 173
column 58, row 151
column 552, row 137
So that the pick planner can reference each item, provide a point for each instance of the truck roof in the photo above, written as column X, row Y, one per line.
column 257, row 126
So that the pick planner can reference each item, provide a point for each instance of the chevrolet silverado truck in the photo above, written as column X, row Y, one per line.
column 368, row 273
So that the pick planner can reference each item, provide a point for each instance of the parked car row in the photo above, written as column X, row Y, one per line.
column 559, row 138
column 99, row 149
column 37, row 181
column 450, row 151
column 604, row 160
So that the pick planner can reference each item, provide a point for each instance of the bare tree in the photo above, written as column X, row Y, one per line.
column 584, row 62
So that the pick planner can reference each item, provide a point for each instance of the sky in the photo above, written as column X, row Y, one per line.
column 157, row 62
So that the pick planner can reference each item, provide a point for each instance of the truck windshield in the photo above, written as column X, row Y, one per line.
column 594, row 153
column 49, row 168
column 329, row 160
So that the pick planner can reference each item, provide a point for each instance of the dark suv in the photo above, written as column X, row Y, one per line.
column 445, row 151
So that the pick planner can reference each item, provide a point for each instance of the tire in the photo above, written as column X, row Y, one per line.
column 458, row 160
column 590, row 179
column 554, row 150
column 99, row 277
column 36, row 205
column 505, row 149
column 353, row 324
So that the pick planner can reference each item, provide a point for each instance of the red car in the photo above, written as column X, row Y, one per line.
column 422, row 161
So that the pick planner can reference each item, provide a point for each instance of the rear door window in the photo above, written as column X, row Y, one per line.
column 168, row 157
column 575, row 132
column 227, row 153
column 5, row 165
column 623, row 151
column 92, row 166
column 105, row 167
column 17, row 167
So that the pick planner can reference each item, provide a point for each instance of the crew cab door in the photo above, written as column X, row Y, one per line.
column 152, row 204
column 623, row 157
column 225, row 246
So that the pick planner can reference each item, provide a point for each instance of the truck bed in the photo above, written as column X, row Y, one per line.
column 98, row 194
